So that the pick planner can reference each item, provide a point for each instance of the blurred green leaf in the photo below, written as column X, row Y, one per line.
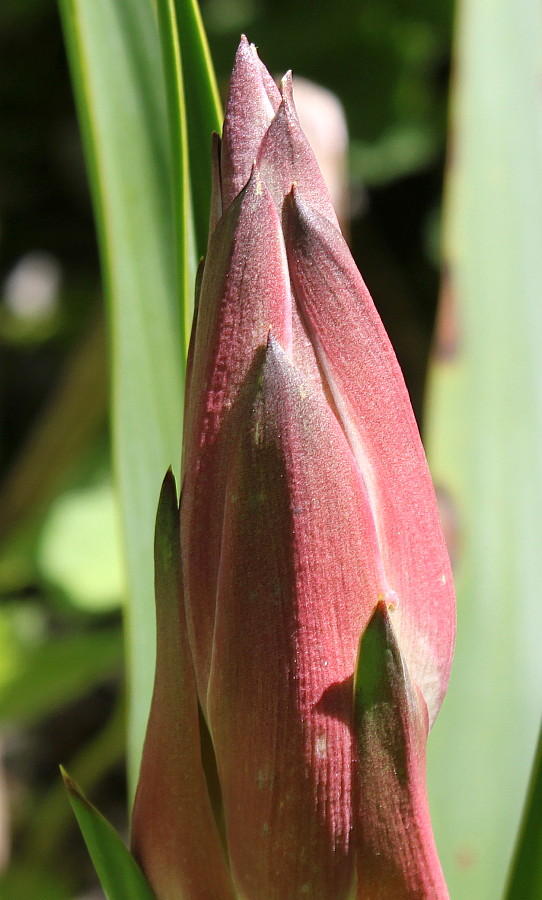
column 385, row 60
column 65, row 427
column 48, row 822
column 80, row 548
column 21, row 880
column 115, row 58
column 50, row 817
column 400, row 152
column 57, row 672
column 119, row 874
column 485, row 438
column 12, row 643
column 526, row 875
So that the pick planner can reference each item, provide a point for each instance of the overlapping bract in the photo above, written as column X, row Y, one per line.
column 306, row 506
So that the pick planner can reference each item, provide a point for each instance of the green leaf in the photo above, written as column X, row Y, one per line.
column 184, row 238
column 115, row 57
column 379, row 666
column 58, row 672
column 66, row 426
column 384, row 701
column 80, row 548
column 20, row 880
column 194, row 112
column 484, row 439
column 120, row 876
column 48, row 816
column 526, row 875
column 203, row 110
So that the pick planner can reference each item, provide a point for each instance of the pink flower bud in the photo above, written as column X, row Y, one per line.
column 308, row 519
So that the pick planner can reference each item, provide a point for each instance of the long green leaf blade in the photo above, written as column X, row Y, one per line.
column 57, row 672
column 120, row 876
column 194, row 112
column 203, row 110
column 526, row 874
column 485, row 435
column 114, row 53
column 184, row 238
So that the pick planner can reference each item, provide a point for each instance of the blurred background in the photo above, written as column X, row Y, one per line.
column 61, row 574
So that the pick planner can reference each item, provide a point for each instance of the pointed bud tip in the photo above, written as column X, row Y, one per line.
column 271, row 362
column 380, row 623
column 242, row 54
column 166, row 531
column 299, row 217
column 380, row 661
column 246, row 46
column 256, row 191
column 291, row 196
column 169, row 488
column 273, row 347
column 380, row 615
column 73, row 788
column 295, row 200
column 247, row 51
column 287, row 89
column 246, row 55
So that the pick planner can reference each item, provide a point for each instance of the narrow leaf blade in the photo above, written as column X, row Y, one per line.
column 203, row 110
column 114, row 53
column 484, row 437
column 526, row 874
column 175, row 94
column 120, row 876
column 55, row 673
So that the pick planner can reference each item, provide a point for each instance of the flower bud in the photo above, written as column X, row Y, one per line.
column 308, row 519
